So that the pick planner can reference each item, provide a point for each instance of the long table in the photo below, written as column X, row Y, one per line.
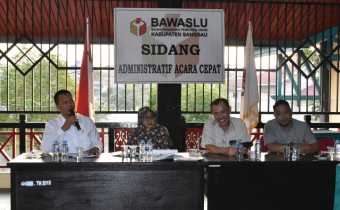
column 111, row 182
column 271, row 183
column 106, row 182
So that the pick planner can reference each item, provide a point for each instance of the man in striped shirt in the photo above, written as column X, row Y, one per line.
column 222, row 128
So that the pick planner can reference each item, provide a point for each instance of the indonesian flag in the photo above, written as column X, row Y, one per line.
column 85, row 95
column 250, row 95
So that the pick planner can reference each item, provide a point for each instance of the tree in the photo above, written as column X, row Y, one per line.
column 33, row 92
column 129, row 97
column 192, row 97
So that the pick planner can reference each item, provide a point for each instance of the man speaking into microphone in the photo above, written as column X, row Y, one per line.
column 78, row 131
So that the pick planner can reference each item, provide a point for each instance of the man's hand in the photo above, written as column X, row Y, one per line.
column 230, row 151
column 69, row 122
column 93, row 151
column 304, row 147
column 221, row 150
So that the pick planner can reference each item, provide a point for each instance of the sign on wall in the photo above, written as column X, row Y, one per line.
column 168, row 45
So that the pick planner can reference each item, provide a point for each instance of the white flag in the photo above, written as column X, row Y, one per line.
column 250, row 95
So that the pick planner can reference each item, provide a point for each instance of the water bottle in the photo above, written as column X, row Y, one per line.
column 258, row 150
column 55, row 151
column 149, row 150
column 337, row 150
column 239, row 147
column 142, row 155
column 290, row 144
column 64, row 152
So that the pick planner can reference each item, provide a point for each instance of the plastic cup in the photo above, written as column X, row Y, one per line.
column 29, row 155
column 125, row 151
column 193, row 151
column 330, row 151
column 133, row 150
column 80, row 154
column 295, row 154
column 286, row 151
column 251, row 154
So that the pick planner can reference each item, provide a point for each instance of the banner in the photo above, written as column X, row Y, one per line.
column 250, row 94
column 85, row 94
column 168, row 45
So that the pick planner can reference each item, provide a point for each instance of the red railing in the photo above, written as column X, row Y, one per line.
column 102, row 134
column 12, row 137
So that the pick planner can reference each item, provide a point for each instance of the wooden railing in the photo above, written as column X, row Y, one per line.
column 112, row 132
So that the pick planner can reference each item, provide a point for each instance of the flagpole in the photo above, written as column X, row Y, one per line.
column 90, row 74
column 249, row 96
column 85, row 94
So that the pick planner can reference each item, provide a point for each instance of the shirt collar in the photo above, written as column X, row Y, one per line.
column 62, row 118
column 231, row 125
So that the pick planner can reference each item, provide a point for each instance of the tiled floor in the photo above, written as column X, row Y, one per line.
column 5, row 199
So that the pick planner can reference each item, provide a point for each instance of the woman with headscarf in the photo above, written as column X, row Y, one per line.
column 149, row 129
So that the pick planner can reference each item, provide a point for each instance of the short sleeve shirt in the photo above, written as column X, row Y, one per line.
column 300, row 132
column 213, row 134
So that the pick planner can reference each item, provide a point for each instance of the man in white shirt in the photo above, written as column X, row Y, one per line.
column 222, row 128
column 63, row 128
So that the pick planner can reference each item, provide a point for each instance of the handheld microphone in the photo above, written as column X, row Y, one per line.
column 76, row 123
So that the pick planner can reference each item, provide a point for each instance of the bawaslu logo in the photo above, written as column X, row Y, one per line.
column 138, row 27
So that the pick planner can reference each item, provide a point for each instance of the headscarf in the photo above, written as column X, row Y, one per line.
column 157, row 134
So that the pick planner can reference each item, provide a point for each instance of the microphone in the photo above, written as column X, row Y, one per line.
column 76, row 123
column 247, row 144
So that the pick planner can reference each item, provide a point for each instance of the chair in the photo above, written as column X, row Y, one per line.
column 193, row 137
column 264, row 148
column 199, row 145
column 121, row 136
column 324, row 143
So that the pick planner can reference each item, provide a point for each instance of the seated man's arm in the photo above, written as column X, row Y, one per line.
column 270, row 140
column 245, row 136
column 96, row 143
column 275, row 147
column 306, row 147
column 310, row 144
column 313, row 148
column 221, row 150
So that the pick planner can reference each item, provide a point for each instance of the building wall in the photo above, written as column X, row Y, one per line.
column 5, row 180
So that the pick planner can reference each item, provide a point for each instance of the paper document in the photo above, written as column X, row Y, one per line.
column 159, row 152
column 175, row 157
column 85, row 155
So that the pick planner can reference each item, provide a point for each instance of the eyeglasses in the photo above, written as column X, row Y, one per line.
column 149, row 118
